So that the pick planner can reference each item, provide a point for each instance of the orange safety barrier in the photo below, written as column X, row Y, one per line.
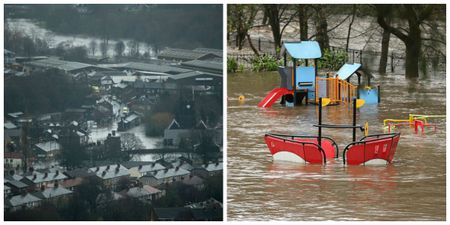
column 337, row 90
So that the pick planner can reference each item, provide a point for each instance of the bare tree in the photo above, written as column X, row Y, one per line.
column 93, row 46
column 415, row 15
column 321, row 26
column 241, row 19
column 279, row 19
column 104, row 48
column 350, row 27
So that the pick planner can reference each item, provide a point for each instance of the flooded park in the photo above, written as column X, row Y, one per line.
column 411, row 188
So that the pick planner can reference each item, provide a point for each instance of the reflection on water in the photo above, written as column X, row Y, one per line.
column 412, row 188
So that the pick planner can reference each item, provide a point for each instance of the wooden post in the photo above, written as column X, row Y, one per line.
column 259, row 44
column 392, row 62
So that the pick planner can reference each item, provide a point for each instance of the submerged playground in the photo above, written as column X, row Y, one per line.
column 305, row 144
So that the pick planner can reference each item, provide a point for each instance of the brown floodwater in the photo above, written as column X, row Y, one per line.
column 411, row 188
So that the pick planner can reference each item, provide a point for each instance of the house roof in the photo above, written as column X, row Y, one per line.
column 16, row 184
column 213, row 167
column 130, row 118
column 9, row 125
column 60, row 64
column 174, row 125
column 13, row 177
column 137, row 192
column 37, row 178
column 207, row 214
column 52, row 192
column 200, row 76
column 148, row 67
column 83, row 172
column 167, row 173
column 49, row 146
column 183, row 165
column 203, row 64
column 149, row 167
column 110, row 171
column 181, row 54
column 15, row 114
column 19, row 200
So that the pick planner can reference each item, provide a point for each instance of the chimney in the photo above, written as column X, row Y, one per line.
column 153, row 165
column 166, row 170
column 103, row 173
column 107, row 167
column 217, row 163
column 97, row 169
column 118, row 165
column 56, row 184
column 57, row 172
column 45, row 175
column 176, row 168
column 113, row 133
column 140, row 167
column 117, row 169
column 34, row 176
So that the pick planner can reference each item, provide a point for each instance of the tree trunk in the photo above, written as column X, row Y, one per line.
column 413, row 54
column 252, row 46
column 322, row 29
column 350, row 27
column 303, row 22
column 384, row 50
column 274, row 22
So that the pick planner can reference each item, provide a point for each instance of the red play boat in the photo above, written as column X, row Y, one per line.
column 301, row 148
column 371, row 149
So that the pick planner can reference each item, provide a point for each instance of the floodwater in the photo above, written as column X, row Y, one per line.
column 412, row 188
column 34, row 29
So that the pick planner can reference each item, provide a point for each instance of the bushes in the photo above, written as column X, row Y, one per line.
column 265, row 63
column 232, row 65
column 332, row 60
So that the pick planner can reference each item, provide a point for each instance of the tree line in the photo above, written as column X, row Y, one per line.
column 415, row 25
column 183, row 26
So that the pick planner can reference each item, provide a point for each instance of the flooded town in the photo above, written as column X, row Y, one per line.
column 112, row 125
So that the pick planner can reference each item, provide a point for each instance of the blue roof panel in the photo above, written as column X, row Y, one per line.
column 304, row 49
column 347, row 70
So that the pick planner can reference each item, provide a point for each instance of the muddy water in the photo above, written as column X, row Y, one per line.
column 412, row 188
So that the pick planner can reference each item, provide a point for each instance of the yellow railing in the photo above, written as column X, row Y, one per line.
column 337, row 90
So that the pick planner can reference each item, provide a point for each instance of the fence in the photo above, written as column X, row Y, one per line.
column 370, row 59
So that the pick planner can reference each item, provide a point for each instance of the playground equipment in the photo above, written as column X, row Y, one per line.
column 317, row 149
column 414, row 120
column 302, row 83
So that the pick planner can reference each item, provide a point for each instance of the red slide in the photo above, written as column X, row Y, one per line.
column 275, row 94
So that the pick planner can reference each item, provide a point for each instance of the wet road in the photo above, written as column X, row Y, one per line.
column 412, row 188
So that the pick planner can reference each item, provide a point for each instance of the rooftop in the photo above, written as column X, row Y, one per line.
column 52, row 192
column 181, row 54
column 137, row 192
column 45, row 177
column 155, row 68
column 9, row 125
column 167, row 173
column 213, row 167
column 210, row 65
column 19, row 200
column 60, row 64
column 110, row 171
column 197, row 74
column 49, row 146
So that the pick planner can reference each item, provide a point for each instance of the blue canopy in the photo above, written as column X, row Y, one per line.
column 303, row 49
column 347, row 70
